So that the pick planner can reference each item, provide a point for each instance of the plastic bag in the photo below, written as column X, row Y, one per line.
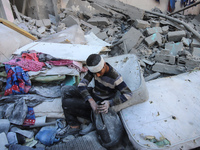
column 109, row 128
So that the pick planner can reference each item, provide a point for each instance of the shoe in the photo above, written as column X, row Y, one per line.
column 88, row 129
column 67, row 131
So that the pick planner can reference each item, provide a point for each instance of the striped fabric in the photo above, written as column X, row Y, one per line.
column 106, row 86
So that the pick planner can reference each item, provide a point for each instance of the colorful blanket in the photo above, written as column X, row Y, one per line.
column 18, row 81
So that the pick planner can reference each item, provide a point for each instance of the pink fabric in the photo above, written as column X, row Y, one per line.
column 69, row 63
column 26, row 64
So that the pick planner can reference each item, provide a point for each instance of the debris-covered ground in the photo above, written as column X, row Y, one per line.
column 165, row 45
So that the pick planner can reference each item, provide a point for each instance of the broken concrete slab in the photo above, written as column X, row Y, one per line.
column 10, row 42
column 188, row 63
column 141, row 24
column 98, row 21
column 102, row 35
column 195, row 43
column 153, row 30
column 166, row 59
column 174, row 47
column 70, row 21
column 168, row 69
column 186, row 41
column 152, row 76
column 46, row 22
column 154, row 39
column 176, row 36
column 130, row 41
column 196, row 52
column 131, row 11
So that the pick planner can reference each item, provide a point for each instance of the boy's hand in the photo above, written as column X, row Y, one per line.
column 104, row 107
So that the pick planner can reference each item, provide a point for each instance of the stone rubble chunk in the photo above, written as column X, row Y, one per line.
column 39, row 23
column 167, row 59
column 189, row 63
column 186, row 41
column 46, row 22
column 196, row 52
column 98, row 21
column 176, row 36
column 168, row 69
column 195, row 43
column 165, row 29
column 174, row 47
column 153, row 30
column 152, row 76
column 102, row 35
column 70, row 21
column 62, row 15
column 60, row 27
column 148, row 62
column 153, row 39
column 130, row 41
column 41, row 29
column 155, row 23
column 101, row 9
column 95, row 30
column 141, row 24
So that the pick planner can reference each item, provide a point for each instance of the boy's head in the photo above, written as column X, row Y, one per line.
column 95, row 63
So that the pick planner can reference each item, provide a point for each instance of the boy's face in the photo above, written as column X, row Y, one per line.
column 102, row 72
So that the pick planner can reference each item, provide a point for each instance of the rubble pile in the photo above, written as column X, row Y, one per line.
column 163, row 46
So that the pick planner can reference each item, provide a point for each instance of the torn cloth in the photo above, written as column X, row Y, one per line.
column 69, row 63
column 18, row 81
column 30, row 117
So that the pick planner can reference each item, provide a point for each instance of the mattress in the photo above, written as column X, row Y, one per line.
column 169, row 119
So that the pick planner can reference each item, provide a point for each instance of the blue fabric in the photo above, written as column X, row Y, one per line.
column 18, row 81
column 46, row 135
column 172, row 5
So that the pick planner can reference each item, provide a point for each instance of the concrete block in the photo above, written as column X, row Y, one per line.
column 152, row 76
column 41, row 29
column 155, row 23
column 195, row 43
column 167, row 59
column 190, row 64
column 141, row 24
column 70, row 21
column 196, row 52
column 101, row 9
column 131, row 42
column 148, row 62
column 60, row 27
column 39, row 23
column 174, row 47
column 6, row 10
column 3, row 141
column 62, row 15
column 165, row 29
column 186, row 41
column 176, row 36
column 46, row 22
column 95, row 30
column 153, row 30
column 98, row 21
column 168, row 69
column 102, row 35
column 153, row 39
